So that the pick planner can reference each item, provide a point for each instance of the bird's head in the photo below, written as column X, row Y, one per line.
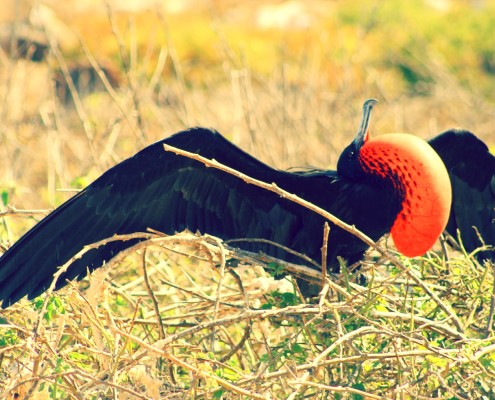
column 410, row 170
column 349, row 163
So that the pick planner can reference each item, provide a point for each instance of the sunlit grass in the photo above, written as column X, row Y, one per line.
column 389, row 338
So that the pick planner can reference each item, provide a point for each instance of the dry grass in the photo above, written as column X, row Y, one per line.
column 173, row 319
column 189, row 326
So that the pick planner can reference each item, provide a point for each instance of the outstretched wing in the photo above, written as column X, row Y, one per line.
column 169, row 193
column 166, row 192
column 472, row 172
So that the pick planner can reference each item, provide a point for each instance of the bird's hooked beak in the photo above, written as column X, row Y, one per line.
column 362, row 135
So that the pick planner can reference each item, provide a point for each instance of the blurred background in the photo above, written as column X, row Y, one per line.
column 85, row 84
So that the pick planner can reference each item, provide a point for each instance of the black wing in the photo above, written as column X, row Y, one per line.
column 472, row 173
column 166, row 192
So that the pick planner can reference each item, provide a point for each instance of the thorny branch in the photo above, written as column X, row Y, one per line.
column 272, row 187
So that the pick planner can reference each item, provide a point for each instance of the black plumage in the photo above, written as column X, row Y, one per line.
column 471, row 168
column 167, row 192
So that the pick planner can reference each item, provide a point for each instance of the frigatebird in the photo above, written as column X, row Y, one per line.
column 390, row 183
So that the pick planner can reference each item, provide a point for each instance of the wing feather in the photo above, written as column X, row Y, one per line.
column 166, row 192
column 472, row 173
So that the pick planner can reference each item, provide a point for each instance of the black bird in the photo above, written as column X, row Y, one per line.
column 471, row 168
column 391, row 183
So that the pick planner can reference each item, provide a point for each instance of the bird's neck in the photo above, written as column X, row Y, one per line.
column 418, row 175
column 381, row 171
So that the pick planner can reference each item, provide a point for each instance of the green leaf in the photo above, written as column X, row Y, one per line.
column 5, row 197
column 358, row 386
column 8, row 338
column 218, row 394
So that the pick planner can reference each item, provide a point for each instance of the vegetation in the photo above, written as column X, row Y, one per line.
column 176, row 318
